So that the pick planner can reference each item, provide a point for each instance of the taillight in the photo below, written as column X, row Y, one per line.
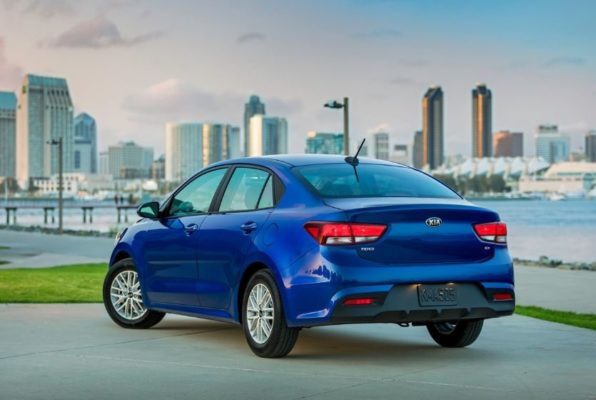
column 492, row 232
column 344, row 233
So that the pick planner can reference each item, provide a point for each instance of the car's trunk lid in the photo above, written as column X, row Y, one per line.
column 411, row 237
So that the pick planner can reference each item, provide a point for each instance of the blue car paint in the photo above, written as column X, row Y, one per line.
column 200, row 273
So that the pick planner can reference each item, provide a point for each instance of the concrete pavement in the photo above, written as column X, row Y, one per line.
column 75, row 351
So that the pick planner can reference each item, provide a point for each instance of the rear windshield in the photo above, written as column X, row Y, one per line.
column 375, row 180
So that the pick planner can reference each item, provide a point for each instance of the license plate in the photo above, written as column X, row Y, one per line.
column 437, row 295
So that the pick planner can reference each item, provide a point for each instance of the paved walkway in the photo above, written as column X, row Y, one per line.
column 75, row 351
column 550, row 288
column 557, row 289
column 38, row 250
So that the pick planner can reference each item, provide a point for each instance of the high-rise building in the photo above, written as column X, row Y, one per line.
column 252, row 108
column 400, row 154
column 191, row 146
column 552, row 145
column 381, row 143
column 590, row 146
column 8, row 134
column 432, row 128
column 508, row 144
column 127, row 160
column 324, row 143
column 85, row 144
column 104, row 163
column 417, row 150
column 482, row 109
column 44, row 113
column 158, row 168
column 267, row 135
column 235, row 146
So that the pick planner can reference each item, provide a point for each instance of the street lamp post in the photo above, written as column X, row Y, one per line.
column 334, row 104
column 59, row 142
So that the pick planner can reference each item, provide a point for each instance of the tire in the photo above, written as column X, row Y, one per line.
column 456, row 334
column 130, row 313
column 257, row 318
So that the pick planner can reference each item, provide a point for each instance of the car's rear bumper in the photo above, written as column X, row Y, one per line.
column 402, row 304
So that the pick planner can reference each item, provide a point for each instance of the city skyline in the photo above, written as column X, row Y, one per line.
column 129, row 66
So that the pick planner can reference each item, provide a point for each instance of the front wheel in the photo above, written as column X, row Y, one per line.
column 263, row 319
column 455, row 334
column 123, row 299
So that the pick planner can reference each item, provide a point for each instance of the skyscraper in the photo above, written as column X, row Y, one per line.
column 85, row 144
column 267, row 135
column 508, row 144
column 127, row 160
column 184, row 150
column 432, row 128
column 381, row 141
column 482, row 109
column 44, row 113
column 252, row 108
column 400, row 154
column 324, row 143
column 552, row 145
column 191, row 146
column 590, row 146
column 8, row 133
column 417, row 150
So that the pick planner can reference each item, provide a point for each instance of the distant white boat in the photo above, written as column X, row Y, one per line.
column 555, row 197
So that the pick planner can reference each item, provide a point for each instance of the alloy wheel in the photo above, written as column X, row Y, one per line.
column 260, row 313
column 125, row 295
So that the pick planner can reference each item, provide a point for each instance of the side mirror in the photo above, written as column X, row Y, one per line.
column 149, row 210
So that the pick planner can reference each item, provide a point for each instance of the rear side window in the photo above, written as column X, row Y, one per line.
column 375, row 180
column 247, row 190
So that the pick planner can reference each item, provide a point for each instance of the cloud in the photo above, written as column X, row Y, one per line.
column 562, row 61
column 97, row 33
column 43, row 8
column 402, row 81
column 382, row 127
column 250, row 37
column 10, row 74
column 378, row 33
column 175, row 100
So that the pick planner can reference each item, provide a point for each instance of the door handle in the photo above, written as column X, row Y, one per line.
column 189, row 229
column 248, row 227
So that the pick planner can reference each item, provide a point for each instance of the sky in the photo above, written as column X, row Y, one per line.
column 135, row 65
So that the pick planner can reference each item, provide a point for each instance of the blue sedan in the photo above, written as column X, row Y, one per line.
column 280, row 243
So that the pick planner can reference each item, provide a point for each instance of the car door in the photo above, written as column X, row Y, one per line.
column 170, row 243
column 227, row 235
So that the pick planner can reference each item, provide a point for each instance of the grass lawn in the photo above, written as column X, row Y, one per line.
column 69, row 284
column 562, row 317
column 83, row 283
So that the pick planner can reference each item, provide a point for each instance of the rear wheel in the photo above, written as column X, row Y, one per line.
column 263, row 318
column 123, row 299
column 456, row 334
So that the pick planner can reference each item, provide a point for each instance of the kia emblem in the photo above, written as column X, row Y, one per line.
column 433, row 222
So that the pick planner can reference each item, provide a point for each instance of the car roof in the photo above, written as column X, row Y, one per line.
column 303, row 159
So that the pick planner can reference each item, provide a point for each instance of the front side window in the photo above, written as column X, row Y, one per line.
column 246, row 189
column 374, row 180
column 195, row 197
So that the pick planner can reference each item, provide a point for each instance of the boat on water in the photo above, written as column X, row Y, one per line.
column 556, row 197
